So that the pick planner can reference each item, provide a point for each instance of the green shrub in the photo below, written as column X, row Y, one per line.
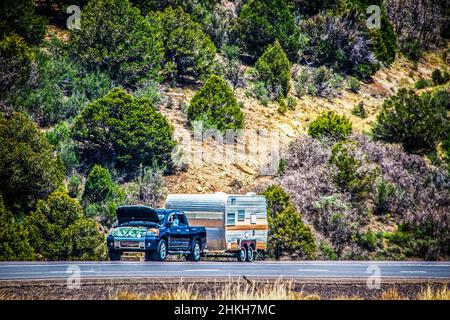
column 417, row 122
column 440, row 77
column 216, row 106
column 287, row 232
column 62, row 87
column 14, row 243
column 149, row 90
column 446, row 147
column 188, row 52
column 359, row 110
column 331, row 126
column 283, row 107
column 60, row 138
column 273, row 68
column 75, row 186
column 282, row 166
column 233, row 69
column 261, row 93
column 440, row 99
column 99, row 185
column 261, row 22
column 15, row 63
column 200, row 11
column 58, row 230
column 368, row 240
column 423, row 83
column 102, row 196
column 310, row 8
column 385, row 194
column 353, row 84
column 123, row 130
column 116, row 38
column 28, row 169
column 327, row 251
column 411, row 49
column 357, row 182
column 321, row 82
column 420, row 240
column 291, row 103
column 19, row 17
column 383, row 40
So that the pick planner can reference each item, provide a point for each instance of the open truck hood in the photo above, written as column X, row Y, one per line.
column 136, row 213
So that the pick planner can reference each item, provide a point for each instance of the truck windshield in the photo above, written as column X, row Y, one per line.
column 161, row 217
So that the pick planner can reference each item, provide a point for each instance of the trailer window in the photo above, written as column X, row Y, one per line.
column 231, row 217
column 241, row 215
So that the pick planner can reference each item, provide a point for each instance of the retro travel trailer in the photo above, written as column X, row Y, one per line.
column 235, row 224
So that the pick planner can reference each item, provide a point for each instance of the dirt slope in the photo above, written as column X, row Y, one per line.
column 243, row 175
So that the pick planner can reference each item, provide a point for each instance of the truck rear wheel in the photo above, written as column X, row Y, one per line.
column 250, row 254
column 242, row 254
column 161, row 252
column 114, row 255
column 195, row 252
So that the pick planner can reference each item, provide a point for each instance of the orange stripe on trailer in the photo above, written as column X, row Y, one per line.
column 248, row 227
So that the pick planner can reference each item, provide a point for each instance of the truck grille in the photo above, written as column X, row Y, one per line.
column 129, row 244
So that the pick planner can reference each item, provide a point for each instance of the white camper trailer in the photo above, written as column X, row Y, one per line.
column 235, row 224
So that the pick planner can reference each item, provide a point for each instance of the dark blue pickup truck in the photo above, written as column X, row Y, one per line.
column 157, row 232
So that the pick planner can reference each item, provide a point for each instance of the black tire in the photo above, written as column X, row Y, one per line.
column 149, row 255
column 242, row 254
column 250, row 254
column 195, row 254
column 161, row 253
column 114, row 255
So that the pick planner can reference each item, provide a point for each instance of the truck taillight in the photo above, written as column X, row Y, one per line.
column 153, row 232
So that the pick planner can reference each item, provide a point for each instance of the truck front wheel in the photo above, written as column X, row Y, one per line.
column 114, row 255
column 242, row 254
column 161, row 252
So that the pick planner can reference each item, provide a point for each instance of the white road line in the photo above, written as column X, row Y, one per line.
column 200, row 270
column 44, row 272
column 313, row 270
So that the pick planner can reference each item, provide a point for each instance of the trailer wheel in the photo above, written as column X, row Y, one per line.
column 250, row 254
column 242, row 254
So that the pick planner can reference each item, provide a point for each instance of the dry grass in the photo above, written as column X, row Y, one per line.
column 391, row 294
column 429, row 293
column 279, row 290
column 233, row 290
column 182, row 292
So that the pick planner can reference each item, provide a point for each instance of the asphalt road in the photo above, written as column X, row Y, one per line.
column 298, row 270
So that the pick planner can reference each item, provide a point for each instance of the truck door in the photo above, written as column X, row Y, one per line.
column 185, row 232
column 174, row 232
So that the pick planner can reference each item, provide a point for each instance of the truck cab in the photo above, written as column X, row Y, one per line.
column 156, row 232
